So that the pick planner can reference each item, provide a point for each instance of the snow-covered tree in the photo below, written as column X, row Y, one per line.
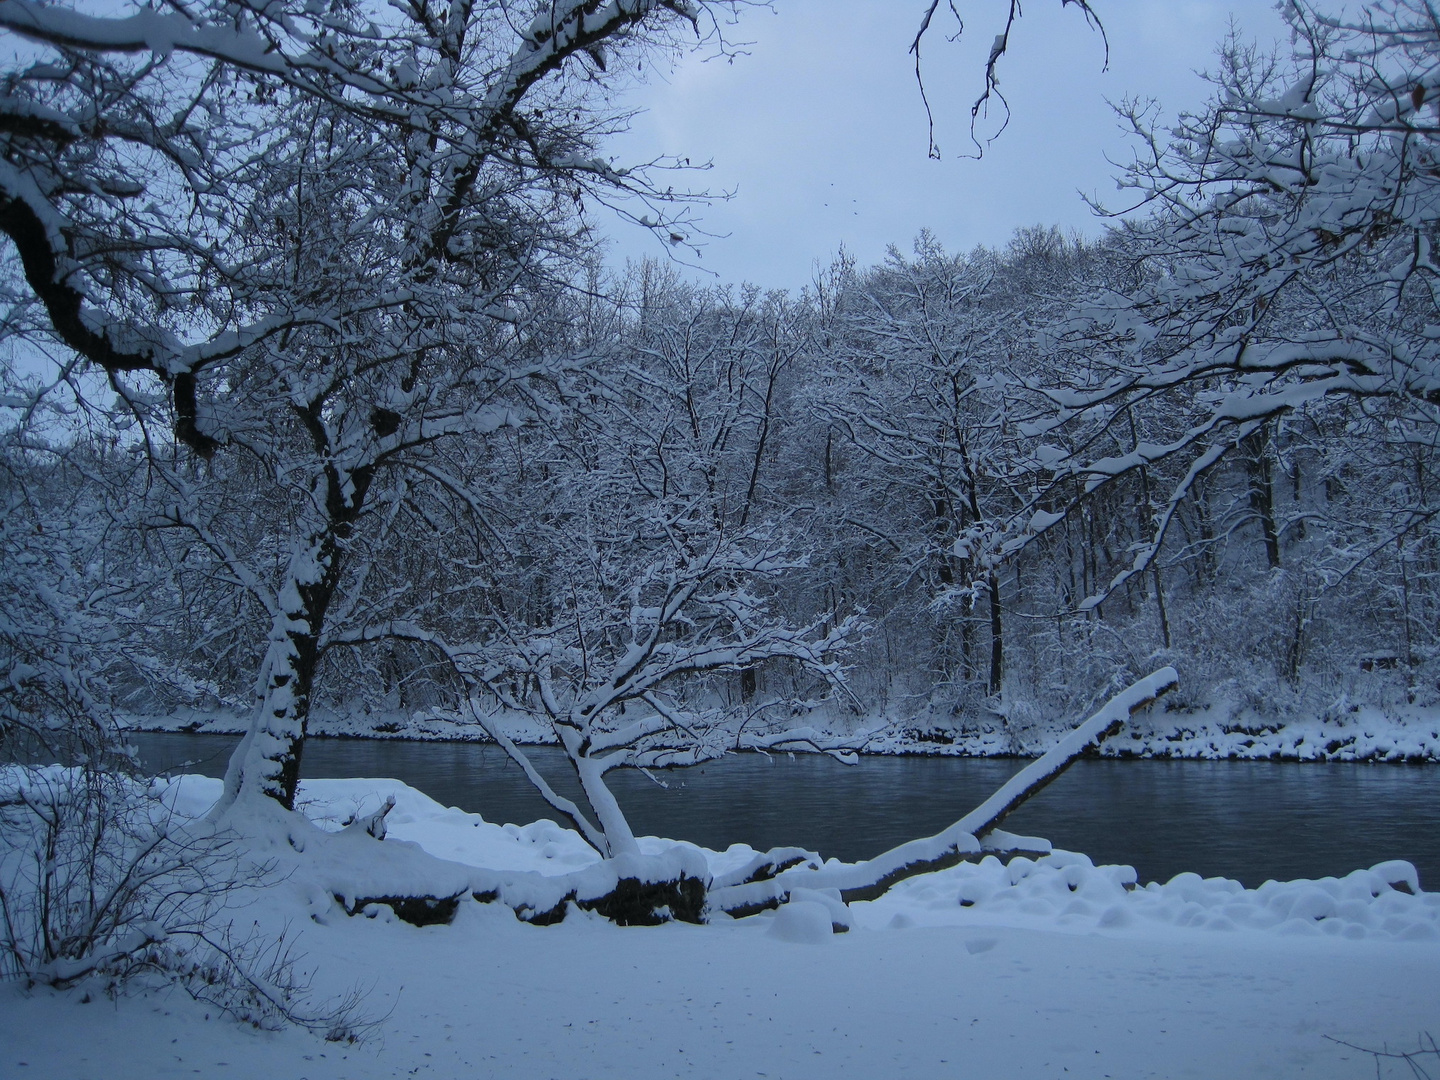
column 915, row 395
column 1284, row 272
column 619, row 670
column 61, row 631
column 313, row 239
column 645, row 558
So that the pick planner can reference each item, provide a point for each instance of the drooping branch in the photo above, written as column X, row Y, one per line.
column 462, row 663
column 998, row 48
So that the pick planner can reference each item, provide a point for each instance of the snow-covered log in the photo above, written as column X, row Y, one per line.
column 972, row 835
column 1032, row 779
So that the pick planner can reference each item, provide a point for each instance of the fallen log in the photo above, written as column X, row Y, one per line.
column 415, row 910
column 973, row 835
column 1032, row 779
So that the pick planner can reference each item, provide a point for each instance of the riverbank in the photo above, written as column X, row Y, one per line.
column 1042, row 968
column 1344, row 733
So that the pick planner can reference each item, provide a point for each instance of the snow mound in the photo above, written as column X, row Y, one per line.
column 804, row 922
column 1347, row 732
column 1066, row 889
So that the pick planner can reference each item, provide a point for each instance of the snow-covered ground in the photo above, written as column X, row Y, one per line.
column 1043, row 968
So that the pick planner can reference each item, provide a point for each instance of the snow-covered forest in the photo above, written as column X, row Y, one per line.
column 324, row 412
column 985, row 489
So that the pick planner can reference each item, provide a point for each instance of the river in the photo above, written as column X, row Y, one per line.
column 1248, row 820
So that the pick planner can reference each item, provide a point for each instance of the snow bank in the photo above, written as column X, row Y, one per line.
column 1041, row 967
column 1347, row 733
column 428, row 726
column 1066, row 890
column 430, row 850
column 445, row 851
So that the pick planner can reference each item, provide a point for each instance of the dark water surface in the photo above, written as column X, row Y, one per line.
column 1249, row 820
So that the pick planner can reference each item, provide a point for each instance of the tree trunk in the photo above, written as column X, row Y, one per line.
column 1205, row 567
column 1256, row 450
column 1160, row 602
column 267, row 761
column 608, row 815
column 997, row 640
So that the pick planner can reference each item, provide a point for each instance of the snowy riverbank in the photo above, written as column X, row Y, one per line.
column 1045, row 967
column 1345, row 733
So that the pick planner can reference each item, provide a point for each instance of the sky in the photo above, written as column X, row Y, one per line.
column 818, row 131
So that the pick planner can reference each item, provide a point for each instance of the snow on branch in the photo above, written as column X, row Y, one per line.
column 869, row 879
column 1284, row 270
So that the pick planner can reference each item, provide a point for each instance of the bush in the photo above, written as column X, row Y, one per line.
column 99, row 882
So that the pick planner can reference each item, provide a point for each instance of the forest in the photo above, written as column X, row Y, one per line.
column 320, row 402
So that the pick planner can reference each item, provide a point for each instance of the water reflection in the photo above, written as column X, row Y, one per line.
column 1240, row 819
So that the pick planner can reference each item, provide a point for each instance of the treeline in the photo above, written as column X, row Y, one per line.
column 855, row 466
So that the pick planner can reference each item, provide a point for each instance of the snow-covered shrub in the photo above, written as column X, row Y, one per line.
column 1024, row 726
column 81, row 869
column 99, row 883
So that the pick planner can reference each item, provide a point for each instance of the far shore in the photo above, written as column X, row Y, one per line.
column 1220, row 733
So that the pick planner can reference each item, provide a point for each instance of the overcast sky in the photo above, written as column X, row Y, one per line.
column 820, row 132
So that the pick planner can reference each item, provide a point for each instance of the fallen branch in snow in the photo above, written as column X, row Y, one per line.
column 373, row 824
column 870, row 879
column 765, row 865
column 1039, row 773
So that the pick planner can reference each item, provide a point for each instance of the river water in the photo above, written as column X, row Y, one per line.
column 1249, row 820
